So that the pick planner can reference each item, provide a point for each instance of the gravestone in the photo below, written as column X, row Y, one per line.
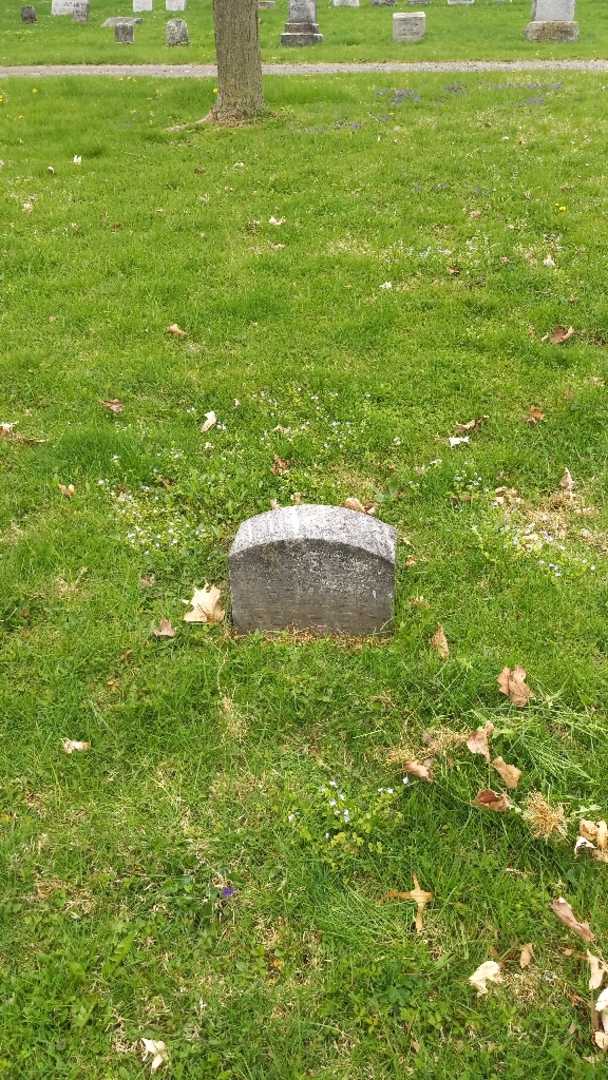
column 62, row 7
column 345, row 3
column 456, row 3
column 28, row 14
column 116, row 20
column 124, row 32
column 81, row 11
column 143, row 5
column 553, row 20
column 301, row 27
column 384, row 3
column 175, row 5
column 176, row 32
column 409, row 26
column 265, row 5
column 319, row 568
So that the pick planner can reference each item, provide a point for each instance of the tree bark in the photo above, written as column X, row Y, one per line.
column 239, row 64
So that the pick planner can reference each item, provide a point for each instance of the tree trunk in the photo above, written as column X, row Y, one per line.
column 239, row 65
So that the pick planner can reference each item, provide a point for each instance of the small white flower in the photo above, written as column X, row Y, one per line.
column 458, row 440
column 77, row 159
column 276, row 220
column 386, row 285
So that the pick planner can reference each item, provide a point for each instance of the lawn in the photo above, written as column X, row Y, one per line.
column 489, row 30
column 187, row 878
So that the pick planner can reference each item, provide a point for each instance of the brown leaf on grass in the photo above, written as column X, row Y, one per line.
column 596, row 832
column 176, row 331
column 68, row 490
column 419, row 897
column 512, row 683
column 279, row 466
column 72, row 745
column 510, row 774
column 7, row 431
column 205, row 605
column 598, row 970
column 471, row 426
column 209, row 422
column 113, row 405
column 154, row 1050
column 545, row 820
column 477, row 743
column 164, row 629
column 492, row 800
column 526, row 955
column 361, row 508
column 485, row 973
column 415, row 768
column 535, row 416
column 567, row 483
column 560, row 335
column 440, row 643
column 565, row 914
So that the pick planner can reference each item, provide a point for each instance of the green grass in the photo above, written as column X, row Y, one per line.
column 489, row 30
column 212, row 757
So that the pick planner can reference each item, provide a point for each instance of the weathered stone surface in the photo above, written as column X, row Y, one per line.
column 176, row 32
column 409, row 26
column 301, row 27
column 116, row 20
column 124, row 32
column 552, row 31
column 345, row 3
column 28, row 14
column 81, row 11
column 553, row 10
column 62, row 7
column 384, row 3
column 175, row 5
column 319, row 568
column 143, row 5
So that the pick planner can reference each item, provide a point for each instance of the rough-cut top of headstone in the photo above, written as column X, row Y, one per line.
column 120, row 20
column 28, row 14
column 320, row 568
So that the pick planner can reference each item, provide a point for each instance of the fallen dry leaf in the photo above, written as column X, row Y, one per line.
column 279, row 466
column 600, row 1036
column 7, row 431
column 471, row 425
column 68, row 490
column 512, row 683
column 361, row 508
column 594, row 838
column 489, row 972
column 560, row 335
column 209, row 422
column 510, row 774
column 458, row 440
column 565, row 914
column 71, row 745
column 205, row 605
column 275, row 504
column 492, row 800
column 164, row 629
column 598, row 971
column 526, row 955
column 567, row 483
column 156, row 1050
column 113, row 405
column 415, row 768
column 440, row 643
column 477, row 743
column 535, row 416
column 176, row 331
column 419, row 897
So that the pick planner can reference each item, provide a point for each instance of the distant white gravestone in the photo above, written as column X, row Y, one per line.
column 320, row 568
column 175, row 5
column 143, row 5
column 62, row 7
column 345, row 3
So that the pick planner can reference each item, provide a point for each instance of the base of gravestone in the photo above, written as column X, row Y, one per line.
column 301, row 33
column 552, row 31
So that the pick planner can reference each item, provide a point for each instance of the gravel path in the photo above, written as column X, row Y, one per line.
column 209, row 71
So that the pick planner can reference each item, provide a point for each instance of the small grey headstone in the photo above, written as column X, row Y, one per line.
column 120, row 20
column 143, row 5
column 409, row 26
column 176, row 32
column 384, row 3
column 124, row 32
column 81, row 11
column 175, row 5
column 62, row 7
column 319, row 568
column 28, row 14
column 345, row 3
column 301, row 27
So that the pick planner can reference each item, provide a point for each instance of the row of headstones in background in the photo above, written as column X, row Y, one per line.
column 148, row 5
column 176, row 31
column 73, row 7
